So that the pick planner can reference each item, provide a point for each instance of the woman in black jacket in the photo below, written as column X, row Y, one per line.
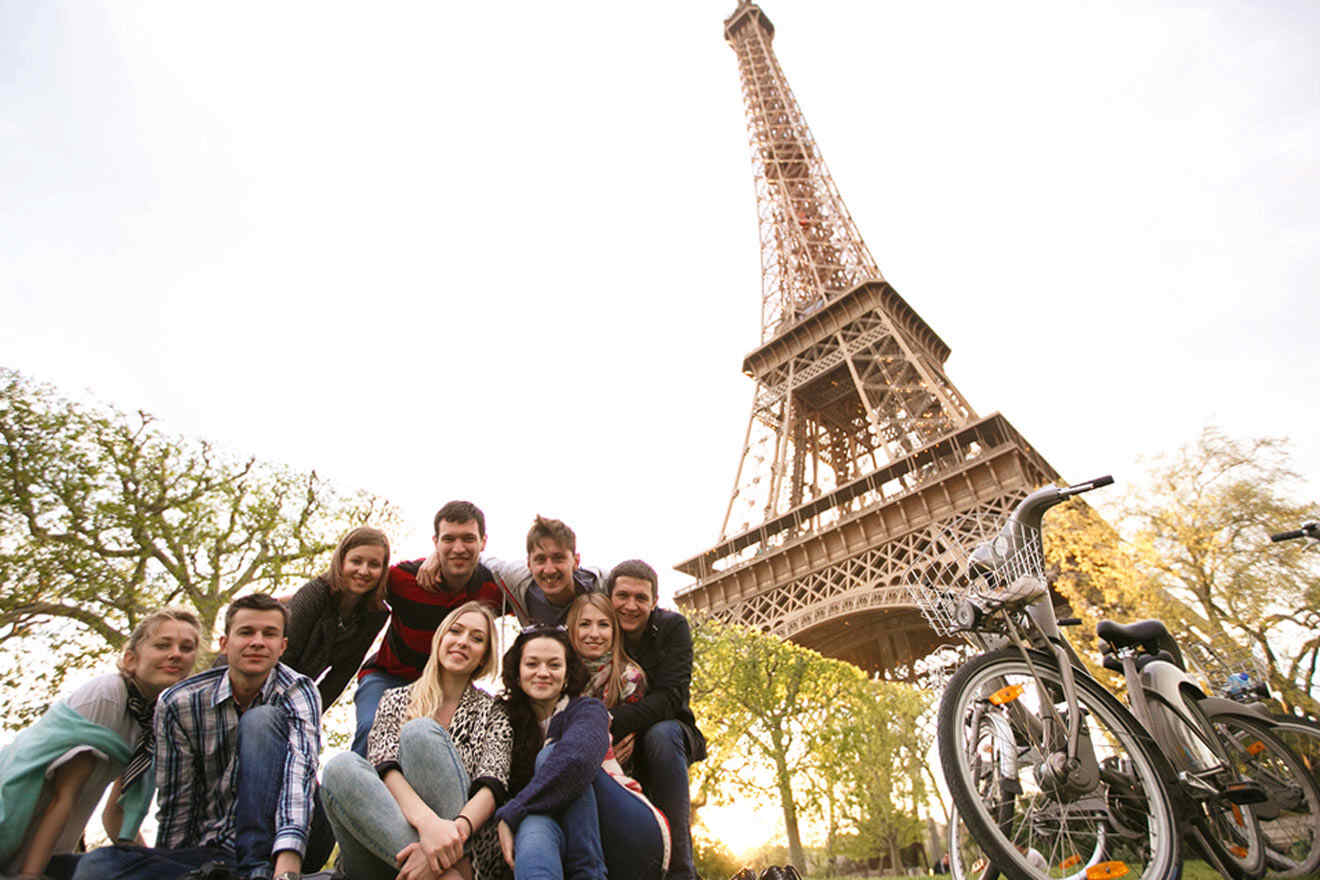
column 335, row 617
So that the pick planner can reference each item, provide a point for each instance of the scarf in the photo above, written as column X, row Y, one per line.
column 144, row 713
column 599, row 670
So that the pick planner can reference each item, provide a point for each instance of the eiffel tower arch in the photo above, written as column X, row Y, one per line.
column 861, row 456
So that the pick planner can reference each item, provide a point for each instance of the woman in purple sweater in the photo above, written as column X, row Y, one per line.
column 564, row 775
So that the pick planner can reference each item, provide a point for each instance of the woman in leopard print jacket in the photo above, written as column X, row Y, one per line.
column 437, row 766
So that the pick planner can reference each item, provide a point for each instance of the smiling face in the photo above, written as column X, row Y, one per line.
column 163, row 658
column 542, row 672
column 363, row 566
column 593, row 635
column 552, row 568
column 633, row 601
column 254, row 642
column 465, row 644
column 459, row 546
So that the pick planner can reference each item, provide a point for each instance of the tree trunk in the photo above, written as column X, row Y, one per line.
column 795, row 854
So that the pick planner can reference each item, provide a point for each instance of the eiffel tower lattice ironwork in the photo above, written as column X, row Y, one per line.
column 861, row 457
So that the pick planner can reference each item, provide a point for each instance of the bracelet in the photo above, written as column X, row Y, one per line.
column 471, row 829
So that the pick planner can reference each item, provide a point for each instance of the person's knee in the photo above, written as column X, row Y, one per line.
column 419, row 736
column 339, row 774
column 664, row 742
column 270, row 721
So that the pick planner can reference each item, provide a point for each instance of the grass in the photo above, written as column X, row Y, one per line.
column 1192, row 870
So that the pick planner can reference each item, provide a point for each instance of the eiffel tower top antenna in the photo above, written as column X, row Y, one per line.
column 811, row 250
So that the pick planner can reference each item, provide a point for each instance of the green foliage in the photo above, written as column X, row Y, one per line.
column 1202, row 536
column 711, row 859
column 104, row 517
column 784, row 722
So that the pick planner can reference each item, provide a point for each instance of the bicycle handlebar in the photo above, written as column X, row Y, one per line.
column 1308, row 530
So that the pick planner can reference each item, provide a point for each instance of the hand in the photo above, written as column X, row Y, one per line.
column 413, row 864
column 441, row 843
column 506, row 841
column 623, row 749
column 428, row 576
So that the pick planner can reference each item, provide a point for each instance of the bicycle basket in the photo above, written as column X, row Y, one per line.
column 977, row 558
column 1223, row 666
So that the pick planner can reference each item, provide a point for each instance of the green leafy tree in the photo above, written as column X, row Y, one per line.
column 883, row 754
column 765, row 705
column 104, row 516
column 1201, row 533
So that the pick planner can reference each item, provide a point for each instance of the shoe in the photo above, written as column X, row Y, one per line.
column 212, row 871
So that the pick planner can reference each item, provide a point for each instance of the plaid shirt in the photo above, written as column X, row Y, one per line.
column 197, row 759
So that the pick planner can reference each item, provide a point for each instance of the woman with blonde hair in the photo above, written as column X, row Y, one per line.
column 437, row 764
column 594, row 629
column 53, row 774
column 334, row 617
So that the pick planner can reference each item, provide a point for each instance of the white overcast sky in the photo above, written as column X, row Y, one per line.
column 507, row 251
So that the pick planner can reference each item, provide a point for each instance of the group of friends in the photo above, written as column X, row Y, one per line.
column 577, row 767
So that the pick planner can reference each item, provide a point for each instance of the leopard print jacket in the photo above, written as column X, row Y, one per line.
column 484, row 740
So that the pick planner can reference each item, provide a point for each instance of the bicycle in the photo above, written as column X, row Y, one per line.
column 1040, row 758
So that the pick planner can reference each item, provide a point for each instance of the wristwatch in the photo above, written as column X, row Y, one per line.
column 288, row 875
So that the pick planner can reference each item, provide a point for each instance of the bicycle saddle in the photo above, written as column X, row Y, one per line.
column 1150, row 634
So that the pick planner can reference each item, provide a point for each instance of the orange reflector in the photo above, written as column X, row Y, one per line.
column 1239, row 851
column 1237, row 815
column 978, row 866
column 1106, row 871
column 1256, row 748
column 1070, row 861
column 1006, row 694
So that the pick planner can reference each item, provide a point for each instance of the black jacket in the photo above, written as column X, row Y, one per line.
column 664, row 652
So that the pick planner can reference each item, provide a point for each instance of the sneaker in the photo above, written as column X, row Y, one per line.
column 211, row 871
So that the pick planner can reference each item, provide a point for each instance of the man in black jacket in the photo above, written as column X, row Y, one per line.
column 660, row 727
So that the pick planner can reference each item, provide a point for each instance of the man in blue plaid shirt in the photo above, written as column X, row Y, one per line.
column 236, row 754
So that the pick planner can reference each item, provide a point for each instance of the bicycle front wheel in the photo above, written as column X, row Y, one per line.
column 1039, row 815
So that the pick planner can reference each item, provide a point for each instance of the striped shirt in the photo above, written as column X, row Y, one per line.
column 197, row 759
column 415, row 614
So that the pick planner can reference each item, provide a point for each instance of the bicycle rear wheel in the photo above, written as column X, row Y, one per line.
column 1230, row 833
column 1302, row 735
column 1290, row 819
column 1111, row 816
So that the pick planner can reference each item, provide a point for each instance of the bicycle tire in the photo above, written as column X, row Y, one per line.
column 967, row 860
column 1302, row 735
column 1126, row 818
column 1290, row 820
column 1232, row 833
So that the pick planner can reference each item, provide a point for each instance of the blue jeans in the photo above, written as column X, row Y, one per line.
column 366, row 818
column 562, row 845
column 662, row 769
column 128, row 862
column 629, row 831
column 263, row 746
column 366, row 698
column 62, row 866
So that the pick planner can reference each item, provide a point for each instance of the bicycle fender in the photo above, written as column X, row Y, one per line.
column 1214, row 706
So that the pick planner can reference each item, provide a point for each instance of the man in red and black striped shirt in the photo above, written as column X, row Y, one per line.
column 415, row 612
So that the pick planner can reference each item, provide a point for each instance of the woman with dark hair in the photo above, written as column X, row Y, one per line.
column 334, row 617
column 54, row 773
column 573, row 810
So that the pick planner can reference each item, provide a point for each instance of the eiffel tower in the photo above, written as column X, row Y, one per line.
column 861, row 456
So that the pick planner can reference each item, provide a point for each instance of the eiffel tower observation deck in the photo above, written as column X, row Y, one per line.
column 862, row 460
